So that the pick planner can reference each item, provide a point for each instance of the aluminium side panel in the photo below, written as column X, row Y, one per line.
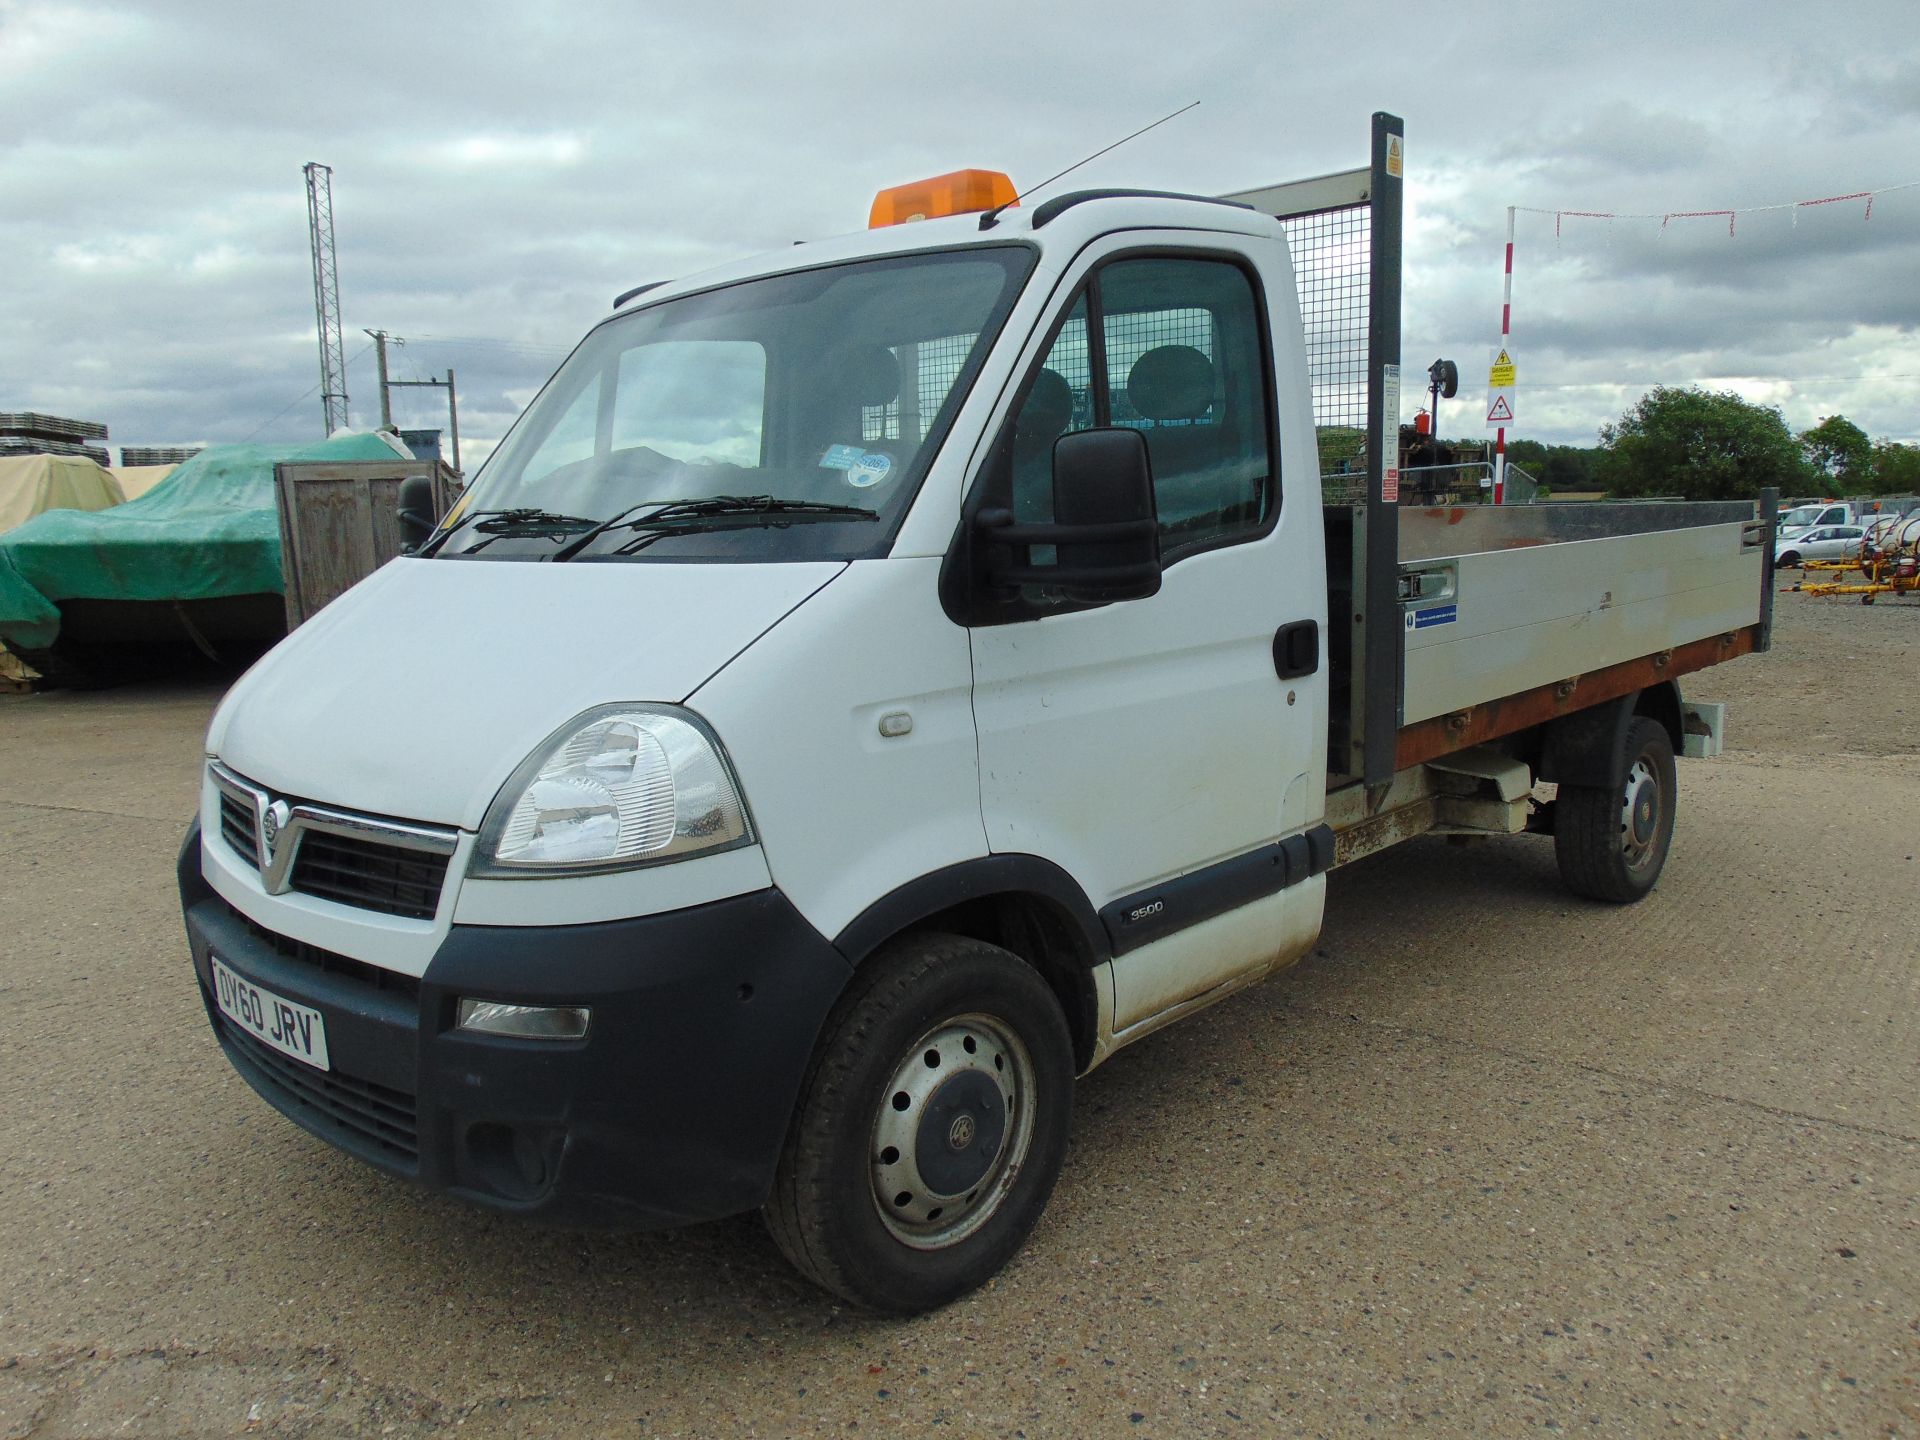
column 1512, row 620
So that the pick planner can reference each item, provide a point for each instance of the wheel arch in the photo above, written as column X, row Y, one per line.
column 1588, row 746
column 1021, row 903
column 1662, row 702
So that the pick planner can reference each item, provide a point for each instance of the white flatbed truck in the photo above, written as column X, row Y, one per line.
column 873, row 684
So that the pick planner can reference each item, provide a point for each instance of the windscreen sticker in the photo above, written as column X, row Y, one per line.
column 1431, row 616
column 863, row 467
column 873, row 467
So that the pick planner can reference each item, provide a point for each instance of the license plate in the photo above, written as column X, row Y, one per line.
column 271, row 1019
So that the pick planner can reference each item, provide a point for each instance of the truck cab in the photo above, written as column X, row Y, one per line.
column 573, row 828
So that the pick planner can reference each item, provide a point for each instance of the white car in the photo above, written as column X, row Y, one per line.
column 1820, row 512
column 1822, row 542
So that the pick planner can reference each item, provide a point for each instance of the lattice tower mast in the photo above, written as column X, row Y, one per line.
column 326, row 294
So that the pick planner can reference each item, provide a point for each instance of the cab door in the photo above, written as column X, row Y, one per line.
column 1168, row 752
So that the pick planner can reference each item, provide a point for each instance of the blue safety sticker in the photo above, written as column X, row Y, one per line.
column 1433, row 615
column 842, row 457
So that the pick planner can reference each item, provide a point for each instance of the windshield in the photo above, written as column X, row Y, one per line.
column 789, row 418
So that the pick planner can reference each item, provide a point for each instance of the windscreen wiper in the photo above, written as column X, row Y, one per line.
column 716, row 512
column 702, row 525
column 523, row 520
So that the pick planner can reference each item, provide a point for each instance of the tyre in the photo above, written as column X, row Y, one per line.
column 1612, row 840
column 1788, row 560
column 930, row 1129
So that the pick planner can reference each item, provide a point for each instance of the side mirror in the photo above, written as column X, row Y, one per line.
column 1105, row 531
column 415, row 511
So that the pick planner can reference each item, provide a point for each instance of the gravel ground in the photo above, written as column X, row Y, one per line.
column 1491, row 1161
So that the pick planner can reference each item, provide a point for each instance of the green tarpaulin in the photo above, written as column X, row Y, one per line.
column 210, row 529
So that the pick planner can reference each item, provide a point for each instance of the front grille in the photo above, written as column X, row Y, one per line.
column 374, row 977
column 236, row 827
column 359, row 1113
column 373, row 876
column 336, row 855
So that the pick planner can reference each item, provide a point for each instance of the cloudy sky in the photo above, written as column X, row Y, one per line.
column 501, row 171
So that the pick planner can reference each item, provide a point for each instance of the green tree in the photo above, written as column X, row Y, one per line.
column 1568, row 467
column 1560, row 468
column 1527, row 454
column 1893, row 469
column 1699, row 445
column 1840, row 449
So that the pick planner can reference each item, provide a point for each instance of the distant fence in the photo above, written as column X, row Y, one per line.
column 1467, row 483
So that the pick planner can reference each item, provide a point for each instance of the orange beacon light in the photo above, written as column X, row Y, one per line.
column 962, row 192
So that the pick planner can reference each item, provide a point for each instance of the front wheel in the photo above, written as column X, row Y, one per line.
column 1788, row 560
column 1612, row 840
column 931, row 1126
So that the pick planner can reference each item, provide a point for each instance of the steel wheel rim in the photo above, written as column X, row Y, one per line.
column 1640, row 814
column 943, row 1133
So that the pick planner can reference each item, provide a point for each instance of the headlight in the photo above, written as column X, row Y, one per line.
column 622, row 785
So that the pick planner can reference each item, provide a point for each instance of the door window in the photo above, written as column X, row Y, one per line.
column 1177, row 352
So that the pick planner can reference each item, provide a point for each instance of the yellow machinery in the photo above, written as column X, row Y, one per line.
column 1889, row 563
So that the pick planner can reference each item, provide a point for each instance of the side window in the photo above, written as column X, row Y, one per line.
column 1180, row 358
column 1185, row 365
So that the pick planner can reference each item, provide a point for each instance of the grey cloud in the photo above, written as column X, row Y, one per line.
column 501, row 171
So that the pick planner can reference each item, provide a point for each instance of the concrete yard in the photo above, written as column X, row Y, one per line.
column 1492, row 1161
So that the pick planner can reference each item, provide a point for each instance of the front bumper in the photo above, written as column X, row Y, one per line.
column 672, row 1108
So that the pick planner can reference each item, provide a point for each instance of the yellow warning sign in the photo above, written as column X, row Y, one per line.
column 1396, row 157
column 1500, row 373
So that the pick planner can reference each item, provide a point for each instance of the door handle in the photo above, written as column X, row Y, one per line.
column 1296, row 649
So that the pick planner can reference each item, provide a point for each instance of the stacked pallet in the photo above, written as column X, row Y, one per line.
column 26, row 432
column 131, row 455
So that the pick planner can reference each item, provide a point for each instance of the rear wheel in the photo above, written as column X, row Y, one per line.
column 1612, row 840
column 931, row 1126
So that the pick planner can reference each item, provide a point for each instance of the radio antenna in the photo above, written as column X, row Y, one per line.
column 988, row 220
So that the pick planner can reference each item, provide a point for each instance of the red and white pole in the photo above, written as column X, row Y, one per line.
column 1506, row 329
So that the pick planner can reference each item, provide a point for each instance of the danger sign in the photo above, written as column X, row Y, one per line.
column 1500, row 377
